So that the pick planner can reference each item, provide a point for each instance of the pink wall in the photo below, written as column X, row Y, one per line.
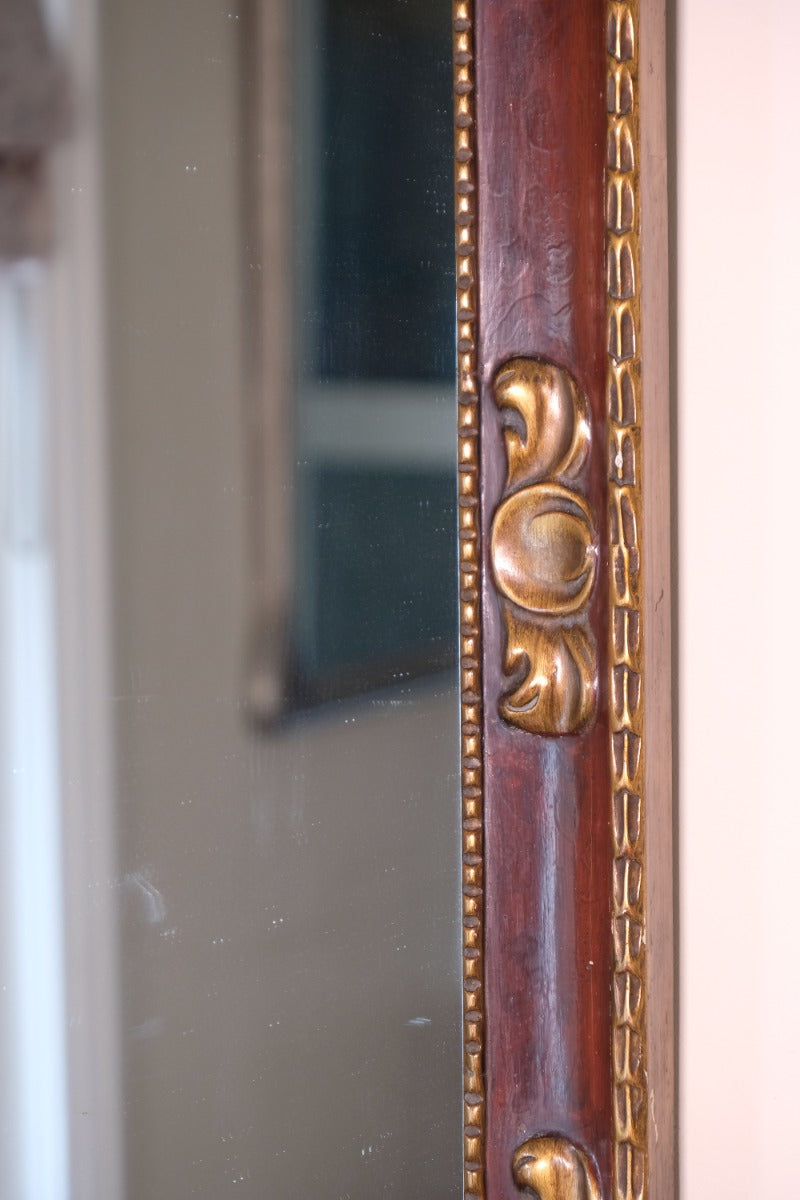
column 738, row 256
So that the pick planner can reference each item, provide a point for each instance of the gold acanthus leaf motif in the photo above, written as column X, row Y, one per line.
column 555, row 437
column 553, row 1168
column 556, row 671
column 543, row 550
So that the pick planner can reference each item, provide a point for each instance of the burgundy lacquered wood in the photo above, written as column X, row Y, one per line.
column 541, row 121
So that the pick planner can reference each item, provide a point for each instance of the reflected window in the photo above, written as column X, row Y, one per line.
column 375, row 598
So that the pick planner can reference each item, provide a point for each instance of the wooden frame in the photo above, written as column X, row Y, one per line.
column 560, row 149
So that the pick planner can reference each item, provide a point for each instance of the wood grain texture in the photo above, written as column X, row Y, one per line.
column 541, row 124
column 572, row 1073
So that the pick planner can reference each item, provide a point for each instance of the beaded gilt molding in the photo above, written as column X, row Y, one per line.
column 470, row 611
column 626, row 676
column 625, row 666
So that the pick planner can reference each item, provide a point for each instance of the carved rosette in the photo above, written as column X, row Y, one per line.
column 543, row 550
column 626, row 682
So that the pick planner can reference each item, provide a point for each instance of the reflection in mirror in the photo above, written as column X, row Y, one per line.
column 227, row 615
column 355, row 207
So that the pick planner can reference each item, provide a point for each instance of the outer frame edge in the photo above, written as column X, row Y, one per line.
column 643, row 901
column 657, row 602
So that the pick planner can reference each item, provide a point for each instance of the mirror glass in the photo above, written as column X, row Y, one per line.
column 228, row 622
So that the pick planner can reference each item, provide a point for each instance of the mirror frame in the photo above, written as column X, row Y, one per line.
column 565, row 599
column 566, row 674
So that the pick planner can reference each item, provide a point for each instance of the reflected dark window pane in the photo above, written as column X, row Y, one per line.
column 376, row 572
column 386, row 248
column 384, row 559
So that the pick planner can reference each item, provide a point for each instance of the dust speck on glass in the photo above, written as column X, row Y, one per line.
column 376, row 556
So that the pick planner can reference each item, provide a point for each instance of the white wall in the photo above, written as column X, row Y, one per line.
column 738, row 272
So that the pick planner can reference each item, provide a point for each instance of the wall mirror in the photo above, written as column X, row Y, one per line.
column 331, row 645
column 268, row 1000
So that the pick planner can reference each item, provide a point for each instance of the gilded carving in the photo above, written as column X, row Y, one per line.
column 553, row 1168
column 543, row 550
column 470, row 613
column 626, row 683
column 555, row 435
column 556, row 669
column 543, row 557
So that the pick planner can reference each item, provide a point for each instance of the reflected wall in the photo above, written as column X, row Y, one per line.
column 289, row 896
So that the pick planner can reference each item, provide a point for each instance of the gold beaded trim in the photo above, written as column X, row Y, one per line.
column 470, row 611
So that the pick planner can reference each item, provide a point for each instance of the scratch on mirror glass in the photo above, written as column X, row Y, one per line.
column 148, row 1029
column 154, row 906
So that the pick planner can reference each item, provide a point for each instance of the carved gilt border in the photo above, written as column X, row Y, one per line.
column 626, row 632
column 470, row 609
